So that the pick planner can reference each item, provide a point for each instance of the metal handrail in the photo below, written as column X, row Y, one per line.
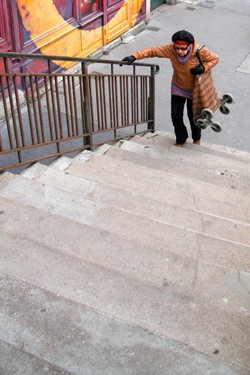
column 17, row 56
column 68, row 112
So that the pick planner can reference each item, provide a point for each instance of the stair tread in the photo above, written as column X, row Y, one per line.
column 144, row 244
column 168, row 139
column 89, row 334
column 162, row 212
column 96, row 213
column 15, row 360
column 203, row 248
column 176, row 163
column 180, row 160
column 226, row 201
column 218, row 177
column 173, row 307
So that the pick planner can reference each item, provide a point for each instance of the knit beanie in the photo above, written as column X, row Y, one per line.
column 183, row 35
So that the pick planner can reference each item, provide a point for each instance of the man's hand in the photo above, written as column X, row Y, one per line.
column 199, row 69
column 129, row 59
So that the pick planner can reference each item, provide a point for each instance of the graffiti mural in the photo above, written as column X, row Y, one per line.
column 77, row 27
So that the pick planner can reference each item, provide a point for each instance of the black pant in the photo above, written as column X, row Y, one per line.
column 177, row 111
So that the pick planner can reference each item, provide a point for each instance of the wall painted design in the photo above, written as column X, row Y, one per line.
column 57, row 28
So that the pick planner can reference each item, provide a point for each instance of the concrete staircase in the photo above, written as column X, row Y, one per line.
column 131, row 260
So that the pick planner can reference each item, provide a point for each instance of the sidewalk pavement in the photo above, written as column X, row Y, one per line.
column 223, row 26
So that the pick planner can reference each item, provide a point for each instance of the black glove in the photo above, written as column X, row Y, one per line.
column 129, row 59
column 199, row 69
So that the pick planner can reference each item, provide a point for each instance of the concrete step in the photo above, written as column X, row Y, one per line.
column 143, row 156
column 160, row 185
column 168, row 140
column 110, row 219
column 137, row 229
column 173, row 296
column 14, row 358
column 150, row 208
column 87, row 343
column 113, row 243
column 183, row 161
column 204, row 155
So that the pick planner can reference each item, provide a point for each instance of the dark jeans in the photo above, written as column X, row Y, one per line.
column 177, row 111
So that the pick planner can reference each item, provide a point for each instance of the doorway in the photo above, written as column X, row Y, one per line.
column 156, row 3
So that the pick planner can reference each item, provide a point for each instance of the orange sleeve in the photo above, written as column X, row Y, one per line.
column 162, row 51
column 209, row 59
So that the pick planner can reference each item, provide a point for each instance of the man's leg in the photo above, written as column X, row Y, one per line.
column 196, row 132
column 177, row 110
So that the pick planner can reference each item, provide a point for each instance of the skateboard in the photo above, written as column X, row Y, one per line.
column 207, row 114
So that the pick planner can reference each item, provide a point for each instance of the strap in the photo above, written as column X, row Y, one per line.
column 198, row 53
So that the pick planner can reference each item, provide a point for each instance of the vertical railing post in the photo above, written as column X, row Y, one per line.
column 151, row 99
column 86, row 94
column 12, row 93
column 53, row 106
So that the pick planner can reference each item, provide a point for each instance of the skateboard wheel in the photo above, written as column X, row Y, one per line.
column 216, row 127
column 227, row 98
column 201, row 123
column 207, row 113
column 225, row 110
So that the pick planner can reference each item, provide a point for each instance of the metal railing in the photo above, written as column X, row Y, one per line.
column 46, row 115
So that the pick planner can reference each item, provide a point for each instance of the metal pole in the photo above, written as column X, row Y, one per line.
column 151, row 104
column 88, row 139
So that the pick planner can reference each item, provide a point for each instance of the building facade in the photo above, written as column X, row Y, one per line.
column 66, row 27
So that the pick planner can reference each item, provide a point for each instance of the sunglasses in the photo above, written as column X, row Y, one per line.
column 180, row 48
